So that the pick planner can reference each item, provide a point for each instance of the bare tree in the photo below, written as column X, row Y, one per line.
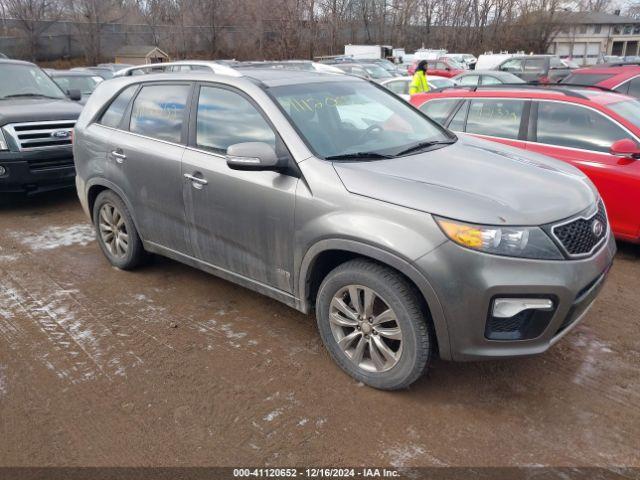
column 34, row 17
column 90, row 17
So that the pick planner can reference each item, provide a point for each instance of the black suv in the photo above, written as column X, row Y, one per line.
column 36, row 130
column 537, row 68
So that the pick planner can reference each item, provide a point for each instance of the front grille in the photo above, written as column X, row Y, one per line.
column 578, row 237
column 41, row 135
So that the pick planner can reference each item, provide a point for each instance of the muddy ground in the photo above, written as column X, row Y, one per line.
column 170, row 366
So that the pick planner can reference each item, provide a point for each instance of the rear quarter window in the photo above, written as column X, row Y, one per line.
column 439, row 110
column 112, row 117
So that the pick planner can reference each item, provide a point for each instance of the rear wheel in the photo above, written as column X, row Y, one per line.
column 116, row 232
column 373, row 324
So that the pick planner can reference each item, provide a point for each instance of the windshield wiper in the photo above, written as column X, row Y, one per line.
column 39, row 95
column 359, row 155
column 422, row 145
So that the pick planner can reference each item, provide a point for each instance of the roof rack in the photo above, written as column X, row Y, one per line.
column 216, row 68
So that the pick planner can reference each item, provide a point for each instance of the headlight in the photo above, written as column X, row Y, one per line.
column 3, row 142
column 525, row 242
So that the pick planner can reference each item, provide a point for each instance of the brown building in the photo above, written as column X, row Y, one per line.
column 141, row 55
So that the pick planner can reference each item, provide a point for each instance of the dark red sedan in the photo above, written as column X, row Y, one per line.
column 596, row 131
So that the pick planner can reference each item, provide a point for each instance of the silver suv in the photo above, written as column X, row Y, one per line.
column 330, row 194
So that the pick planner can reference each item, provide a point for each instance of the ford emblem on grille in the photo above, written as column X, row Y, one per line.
column 597, row 228
column 60, row 134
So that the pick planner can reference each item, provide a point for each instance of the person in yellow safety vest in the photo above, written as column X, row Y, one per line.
column 419, row 83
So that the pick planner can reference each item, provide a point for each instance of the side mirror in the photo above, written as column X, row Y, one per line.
column 625, row 148
column 74, row 94
column 252, row 156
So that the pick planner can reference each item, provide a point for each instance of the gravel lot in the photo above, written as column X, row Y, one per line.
column 170, row 366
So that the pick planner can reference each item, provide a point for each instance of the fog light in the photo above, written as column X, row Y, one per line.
column 518, row 318
column 2, row 170
column 509, row 307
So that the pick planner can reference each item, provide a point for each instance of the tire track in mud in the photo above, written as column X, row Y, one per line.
column 82, row 347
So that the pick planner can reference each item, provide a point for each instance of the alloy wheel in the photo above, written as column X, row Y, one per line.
column 113, row 230
column 365, row 328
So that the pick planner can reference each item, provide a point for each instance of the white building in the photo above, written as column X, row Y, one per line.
column 586, row 36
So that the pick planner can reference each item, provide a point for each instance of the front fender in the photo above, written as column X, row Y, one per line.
column 401, row 264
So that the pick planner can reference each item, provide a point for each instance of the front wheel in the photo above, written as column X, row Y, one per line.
column 374, row 325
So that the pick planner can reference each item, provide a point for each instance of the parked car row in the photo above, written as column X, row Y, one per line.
column 595, row 131
column 333, row 195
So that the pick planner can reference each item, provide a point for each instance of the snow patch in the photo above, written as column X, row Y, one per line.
column 269, row 417
column 56, row 237
column 3, row 381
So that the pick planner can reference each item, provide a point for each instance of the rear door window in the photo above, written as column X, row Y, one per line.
column 535, row 65
column 225, row 118
column 495, row 117
column 574, row 126
column 512, row 65
column 439, row 110
column 158, row 111
column 112, row 117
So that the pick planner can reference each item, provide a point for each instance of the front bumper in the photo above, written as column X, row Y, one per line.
column 37, row 171
column 466, row 282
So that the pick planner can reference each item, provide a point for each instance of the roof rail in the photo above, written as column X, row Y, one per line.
column 520, row 86
column 578, row 85
column 216, row 68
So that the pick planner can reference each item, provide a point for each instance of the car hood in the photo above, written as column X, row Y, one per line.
column 476, row 181
column 37, row 110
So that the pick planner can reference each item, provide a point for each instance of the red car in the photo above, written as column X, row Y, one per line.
column 594, row 130
column 443, row 67
column 623, row 79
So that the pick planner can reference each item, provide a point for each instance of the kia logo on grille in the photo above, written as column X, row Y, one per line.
column 60, row 134
column 597, row 228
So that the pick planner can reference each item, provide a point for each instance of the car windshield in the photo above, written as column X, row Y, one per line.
column 375, row 71
column 86, row 85
column 455, row 65
column 26, row 81
column 347, row 118
column 628, row 109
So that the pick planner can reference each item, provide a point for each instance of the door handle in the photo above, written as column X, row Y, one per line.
column 119, row 156
column 197, row 182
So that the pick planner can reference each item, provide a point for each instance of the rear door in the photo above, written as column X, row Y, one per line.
column 239, row 221
column 582, row 136
column 147, row 153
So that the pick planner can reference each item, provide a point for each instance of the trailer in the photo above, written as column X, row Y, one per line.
column 368, row 51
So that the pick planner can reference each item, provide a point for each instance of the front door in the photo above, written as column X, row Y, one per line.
column 582, row 137
column 240, row 221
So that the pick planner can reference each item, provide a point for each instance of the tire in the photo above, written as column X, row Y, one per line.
column 411, row 347
column 123, row 258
